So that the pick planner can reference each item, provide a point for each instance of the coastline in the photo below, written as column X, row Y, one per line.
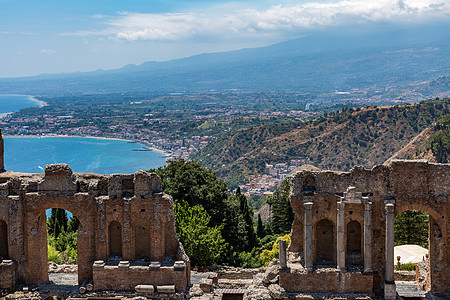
column 146, row 144
column 39, row 102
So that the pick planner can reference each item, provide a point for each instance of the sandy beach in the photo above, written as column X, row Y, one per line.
column 40, row 102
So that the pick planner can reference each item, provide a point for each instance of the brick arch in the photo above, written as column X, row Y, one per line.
column 36, row 232
column 436, row 245
column 425, row 208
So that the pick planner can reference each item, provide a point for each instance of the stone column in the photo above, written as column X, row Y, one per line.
column 368, row 237
column 341, row 236
column 282, row 250
column 307, row 250
column 389, row 286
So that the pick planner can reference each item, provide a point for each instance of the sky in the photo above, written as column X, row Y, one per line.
column 49, row 36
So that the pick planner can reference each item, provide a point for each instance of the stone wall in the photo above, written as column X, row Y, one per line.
column 122, row 216
column 125, row 277
column 7, row 274
column 362, row 193
column 328, row 281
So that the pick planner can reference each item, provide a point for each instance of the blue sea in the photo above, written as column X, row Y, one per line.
column 13, row 103
column 31, row 154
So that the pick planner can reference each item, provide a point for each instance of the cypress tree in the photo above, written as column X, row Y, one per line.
column 247, row 214
column 260, row 228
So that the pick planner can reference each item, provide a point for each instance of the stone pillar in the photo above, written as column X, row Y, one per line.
column 368, row 237
column 282, row 250
column 341, row 236
column 307, row 250
column 389, row 285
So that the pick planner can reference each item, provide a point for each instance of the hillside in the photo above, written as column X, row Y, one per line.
column 336, row 141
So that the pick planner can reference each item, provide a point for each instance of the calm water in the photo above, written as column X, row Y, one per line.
column 28, row 154
column 12, row 103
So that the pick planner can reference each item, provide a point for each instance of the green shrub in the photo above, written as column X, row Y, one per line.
column 267, row 256
column 405, row 267
column 53, row 254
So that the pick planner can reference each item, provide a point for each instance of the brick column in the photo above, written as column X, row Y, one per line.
column 307, row 251
column 389, row 285
column 341, row 236
column 368, row 237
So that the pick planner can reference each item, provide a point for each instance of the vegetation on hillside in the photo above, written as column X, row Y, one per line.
column 337, row 140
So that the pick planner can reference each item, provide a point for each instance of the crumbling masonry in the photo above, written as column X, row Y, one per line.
column 342, row 238
column 126, row 236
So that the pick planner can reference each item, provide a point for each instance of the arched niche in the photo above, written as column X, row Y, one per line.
column 142, row 240
column 354, row 242
column 324, row 242
column 115, row 239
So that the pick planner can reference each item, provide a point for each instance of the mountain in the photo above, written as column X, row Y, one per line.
column 336, row 141
column 318, row 64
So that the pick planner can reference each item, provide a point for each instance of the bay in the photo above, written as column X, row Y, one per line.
column 102, row 156
column 13, row 103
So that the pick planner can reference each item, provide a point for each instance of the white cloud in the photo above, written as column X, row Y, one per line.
column 47, row 51
column 276, row 19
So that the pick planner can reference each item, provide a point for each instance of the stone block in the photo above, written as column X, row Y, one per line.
column 165, row 289
column 98, row 265
column 206, row 285
column 179, row 265
column 154, row 266
column 124, row 264
column 145, row 288
column 58, row 178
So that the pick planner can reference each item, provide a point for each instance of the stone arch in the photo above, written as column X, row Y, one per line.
column 436, row 244
column 354, row 244
column 142, row 240
column 115, row 239
column 35, row 228
column 3, row 240
column 324, row 241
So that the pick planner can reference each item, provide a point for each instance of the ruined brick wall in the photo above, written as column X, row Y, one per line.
column 126, row 201
column 410, row 185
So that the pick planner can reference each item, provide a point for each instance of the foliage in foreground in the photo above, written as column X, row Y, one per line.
column 268, row 255
column 62, row 237
column 188, row 181
column 202, row 243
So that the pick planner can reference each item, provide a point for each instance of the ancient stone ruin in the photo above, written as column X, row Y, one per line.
column 126, row 236
column 342, row 238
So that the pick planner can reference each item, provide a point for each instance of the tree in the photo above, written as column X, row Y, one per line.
column 188, row 181
column 411, row 228
column 58, row 221
column 282, row 213
column 260, row 228
column 247, row 214
column 185, row 180
column 203, row 244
